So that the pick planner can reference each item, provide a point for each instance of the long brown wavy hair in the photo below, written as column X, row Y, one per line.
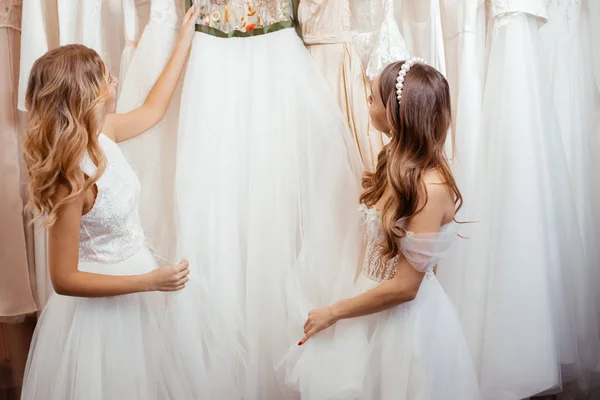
column 66, row 93
column 419, row 127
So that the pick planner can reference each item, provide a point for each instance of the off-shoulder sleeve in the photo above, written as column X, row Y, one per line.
column 425, row 250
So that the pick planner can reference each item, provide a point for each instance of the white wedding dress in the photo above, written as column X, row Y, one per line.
column 152, row 157
column 568, row 49
column 524, row 249
column 415, row 350
column 420, row 22
column 121, row 347
column 464, row 34
column 98, row 24
column 267, row 174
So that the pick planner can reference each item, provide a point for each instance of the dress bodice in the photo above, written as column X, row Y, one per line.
column 111, row 230
column 242, row 18
column 10, row 14
column 376, row 34
column 422, row 250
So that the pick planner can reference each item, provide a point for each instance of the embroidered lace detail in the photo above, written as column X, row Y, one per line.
column 165, row 12
column 10, row 14
column 390, row 47
column 111, row 230
column 423, row 251
column 242, row 15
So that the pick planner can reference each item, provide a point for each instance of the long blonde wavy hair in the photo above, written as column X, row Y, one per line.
column 65, row 99
column 419, row 127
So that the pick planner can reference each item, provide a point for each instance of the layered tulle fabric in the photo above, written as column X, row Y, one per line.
column 106, row 348
column 568, row 51
column 266, row 168
column 522, row 277
column 415, row 350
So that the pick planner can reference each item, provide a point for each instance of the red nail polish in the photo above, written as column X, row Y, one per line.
column 300, row 343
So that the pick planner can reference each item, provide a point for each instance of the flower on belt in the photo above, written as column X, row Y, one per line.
column 249, row 27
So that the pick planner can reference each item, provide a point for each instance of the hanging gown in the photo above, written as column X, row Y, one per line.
column 593, row 8
column 152, row 155
column 39, row 33
column 16, row 296
column 421, row 26
column 130, row 26
column 566, row 37
column 267, row 174
column 524, row 248
column 119, row 347
column 464, row 35
column 326, row 29
column 97, row 24
column 415, row 350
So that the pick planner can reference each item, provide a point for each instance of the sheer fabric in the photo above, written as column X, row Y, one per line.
column 413, row 350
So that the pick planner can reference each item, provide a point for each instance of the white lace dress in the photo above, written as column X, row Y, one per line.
column 414, row 351
column 115, row 347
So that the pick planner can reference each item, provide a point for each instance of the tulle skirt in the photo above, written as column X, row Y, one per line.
column 520, row 285
column 106, row 348
column 414, row 351
column 266, row 170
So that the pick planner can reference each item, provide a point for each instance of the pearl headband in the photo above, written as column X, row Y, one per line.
column 402, row 74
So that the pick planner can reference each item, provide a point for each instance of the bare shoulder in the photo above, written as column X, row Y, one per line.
column 436, row 204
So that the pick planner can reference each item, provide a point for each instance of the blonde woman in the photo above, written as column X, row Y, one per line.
column 103, row 334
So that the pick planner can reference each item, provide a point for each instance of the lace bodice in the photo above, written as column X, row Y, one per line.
column 422, row 250
column 376, row 34
column 10, row 14
column 111, row 230
column 167, row 12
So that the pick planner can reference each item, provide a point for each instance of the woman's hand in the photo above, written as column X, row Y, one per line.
column 318, row 320
column 169, row 278
column 188, row 27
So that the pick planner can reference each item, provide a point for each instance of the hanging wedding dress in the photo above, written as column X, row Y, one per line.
column 567, row 45
column 524, row 248
column 421, row 26
column 326, row 30
column 16, row 296
column 97, row 24
column 464, row 35
column 38, row 34
column 267, row 176
column 130, row 26
column 593, row 8
column 152, row 155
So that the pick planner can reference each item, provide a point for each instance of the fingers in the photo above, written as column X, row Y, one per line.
column 306, row 337
column 183, row 265
column 191, row 14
